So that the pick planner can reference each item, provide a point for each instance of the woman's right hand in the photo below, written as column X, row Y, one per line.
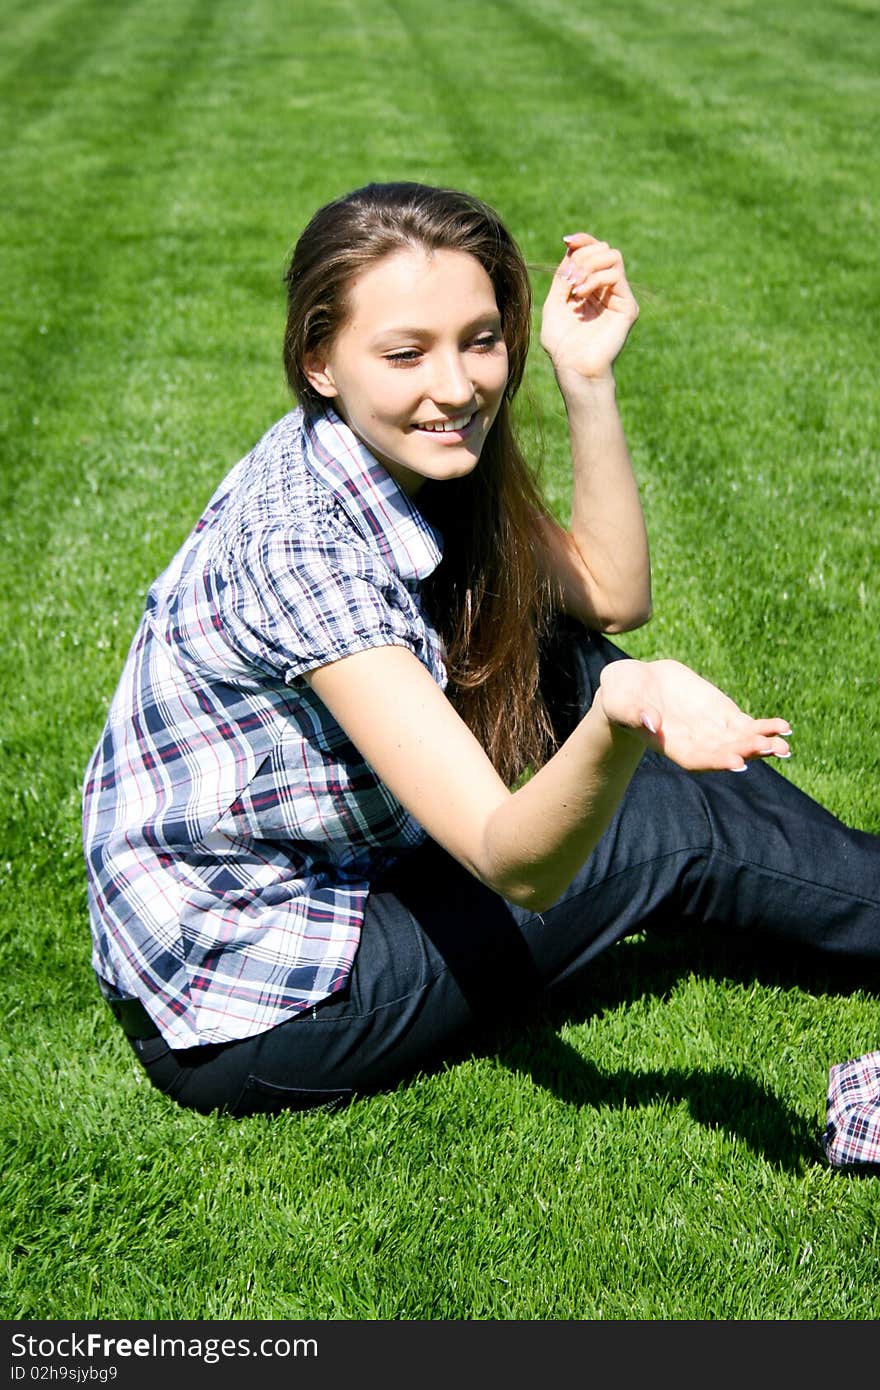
column 673, row 710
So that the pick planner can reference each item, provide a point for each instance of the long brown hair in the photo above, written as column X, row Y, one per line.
column 488, row 598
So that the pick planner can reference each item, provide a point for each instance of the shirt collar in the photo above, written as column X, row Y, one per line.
column 373, row 501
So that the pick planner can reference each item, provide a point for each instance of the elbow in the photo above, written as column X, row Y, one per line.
column 534, row 901
column 629, row 609
column 627, row 620
column 624, row 606
column 532, row 896
column 533, row 881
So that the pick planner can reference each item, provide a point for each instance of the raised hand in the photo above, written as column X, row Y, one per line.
column 672, row 709
column 589, row 310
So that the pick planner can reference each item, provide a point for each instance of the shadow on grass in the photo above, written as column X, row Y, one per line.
column 721, row 1098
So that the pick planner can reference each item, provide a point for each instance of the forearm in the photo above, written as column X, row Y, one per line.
column 607, row 522
column 538, row 838
column 528, row 845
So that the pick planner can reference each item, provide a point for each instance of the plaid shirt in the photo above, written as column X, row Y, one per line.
column 852, row 1129
column 231, row 830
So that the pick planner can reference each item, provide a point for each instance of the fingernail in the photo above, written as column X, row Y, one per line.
column 744, row 768
column 646, row 720
column 572, row 236
column 783, row 755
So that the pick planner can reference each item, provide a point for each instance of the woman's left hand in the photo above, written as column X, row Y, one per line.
column 589, row 310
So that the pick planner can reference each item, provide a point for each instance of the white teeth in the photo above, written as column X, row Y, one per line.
column 445, row 426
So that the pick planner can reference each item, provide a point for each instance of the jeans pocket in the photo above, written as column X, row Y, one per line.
column 260, row 1097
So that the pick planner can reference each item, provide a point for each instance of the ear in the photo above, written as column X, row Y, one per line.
column 320, row 377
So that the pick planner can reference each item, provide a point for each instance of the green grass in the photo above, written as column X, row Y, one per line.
column 649, row 1147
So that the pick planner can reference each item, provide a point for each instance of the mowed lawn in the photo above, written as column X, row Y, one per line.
column 647, row 1148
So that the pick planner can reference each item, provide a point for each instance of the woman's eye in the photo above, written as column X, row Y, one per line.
column 485, row 341
column 403, row 358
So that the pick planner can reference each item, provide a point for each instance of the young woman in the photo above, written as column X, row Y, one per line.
column 313, row 859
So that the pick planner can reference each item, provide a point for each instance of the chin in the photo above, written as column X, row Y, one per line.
column 452, row 471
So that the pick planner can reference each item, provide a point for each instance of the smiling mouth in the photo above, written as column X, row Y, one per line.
column 448, row 426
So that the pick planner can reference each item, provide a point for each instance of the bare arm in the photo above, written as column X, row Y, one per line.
column 527, row 845
column 602, row 563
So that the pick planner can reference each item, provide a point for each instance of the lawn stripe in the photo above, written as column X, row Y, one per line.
column 62, row 53
column 95, row 196
column 63, row 570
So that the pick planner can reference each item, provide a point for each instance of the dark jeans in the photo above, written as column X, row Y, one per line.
column 441, row 953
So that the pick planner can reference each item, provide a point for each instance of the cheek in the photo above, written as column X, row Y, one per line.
column 388, row 400
column 496, row 378
column 500, row 366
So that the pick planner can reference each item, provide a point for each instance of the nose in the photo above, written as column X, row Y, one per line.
column 451, row 383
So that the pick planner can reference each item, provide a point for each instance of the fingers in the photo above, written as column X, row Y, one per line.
column 591, row 255
column 701, row 752
column 577, row 239
column 758, row 747
column 702, row 756
column 650, row 719
column 584, row 254
column 593, row 272
column 768, row 739
column 591, row 258
column 596, row 284
column 772, row 748
column 771, row 726
column 735, row 758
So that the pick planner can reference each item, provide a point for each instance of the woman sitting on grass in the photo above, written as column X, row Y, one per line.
column 314, row 861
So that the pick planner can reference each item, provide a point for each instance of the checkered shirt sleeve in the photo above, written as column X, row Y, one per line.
column 298, row 598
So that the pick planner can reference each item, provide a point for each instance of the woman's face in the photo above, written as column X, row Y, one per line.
column 419, row 368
